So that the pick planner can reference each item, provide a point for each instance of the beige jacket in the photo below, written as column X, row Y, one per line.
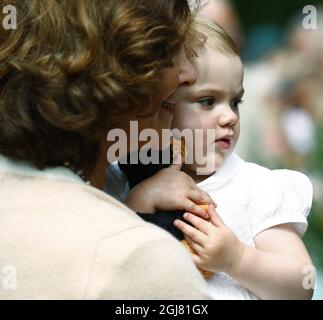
column 62, row 239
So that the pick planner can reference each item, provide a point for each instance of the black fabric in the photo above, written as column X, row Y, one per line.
column 137, row 173
column 165, row 220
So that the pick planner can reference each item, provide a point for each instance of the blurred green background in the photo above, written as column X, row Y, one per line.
column 278, row 12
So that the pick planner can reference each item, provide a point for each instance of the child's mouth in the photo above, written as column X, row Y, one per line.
column 224, row 143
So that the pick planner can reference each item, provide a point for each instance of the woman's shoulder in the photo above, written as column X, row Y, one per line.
column 101, row 209
column 96, row 239
column 75, row 206
column 126, row 243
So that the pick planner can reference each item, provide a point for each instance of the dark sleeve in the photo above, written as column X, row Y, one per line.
column 165, row 220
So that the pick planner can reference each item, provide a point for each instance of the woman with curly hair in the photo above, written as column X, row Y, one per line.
column 70, row 72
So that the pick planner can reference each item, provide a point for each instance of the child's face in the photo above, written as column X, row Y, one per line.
column 212, row 102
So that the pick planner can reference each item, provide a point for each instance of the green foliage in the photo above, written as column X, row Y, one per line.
column 314, row 237
column 277, row 12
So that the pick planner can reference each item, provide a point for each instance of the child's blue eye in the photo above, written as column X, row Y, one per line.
column 236, row 102
column 207, row 102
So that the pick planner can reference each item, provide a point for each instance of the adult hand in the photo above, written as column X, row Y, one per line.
column 169, row 189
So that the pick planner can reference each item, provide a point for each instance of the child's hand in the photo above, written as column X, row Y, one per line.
column 216, row 247
column 169, row 189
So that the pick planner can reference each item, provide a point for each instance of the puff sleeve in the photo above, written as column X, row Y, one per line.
column 278, row 197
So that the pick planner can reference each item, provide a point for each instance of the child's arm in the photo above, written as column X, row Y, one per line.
column 276, row 265
column 272, row 270
column 169, row 189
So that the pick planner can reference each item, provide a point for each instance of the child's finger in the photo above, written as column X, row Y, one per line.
column 200, row 224
column 196, row 259
column 196, row 248
column 192, row 207
column 214, row 217
column 190, row 232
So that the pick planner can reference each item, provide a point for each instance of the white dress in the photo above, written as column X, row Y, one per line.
column 250, row 199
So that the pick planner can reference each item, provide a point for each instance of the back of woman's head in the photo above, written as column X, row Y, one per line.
column 72, row 65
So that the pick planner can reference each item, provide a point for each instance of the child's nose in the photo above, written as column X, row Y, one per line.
column 228, row 118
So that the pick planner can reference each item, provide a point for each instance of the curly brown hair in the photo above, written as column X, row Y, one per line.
column 70, row 65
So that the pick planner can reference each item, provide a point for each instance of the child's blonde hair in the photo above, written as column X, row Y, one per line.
column 216, row 37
